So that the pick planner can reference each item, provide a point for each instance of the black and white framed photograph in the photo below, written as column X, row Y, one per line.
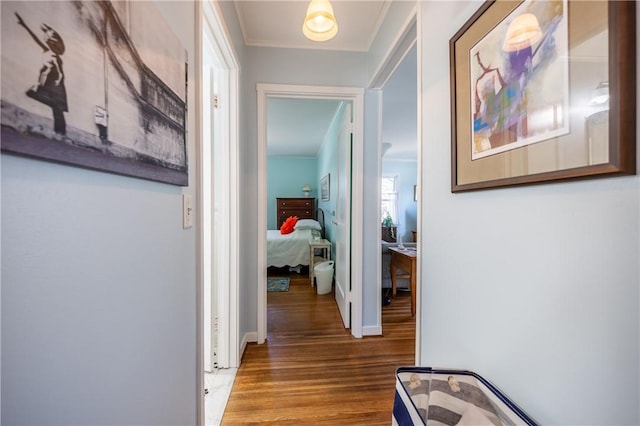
column 324, row 188
column 100, row 85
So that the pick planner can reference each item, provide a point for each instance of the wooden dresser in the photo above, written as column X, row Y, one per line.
column 304, row 208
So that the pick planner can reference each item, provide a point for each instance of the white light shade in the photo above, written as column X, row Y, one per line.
column 320, row 23
column 600, row 94
column 306, row 188
column 385, row 148
column 523, row 32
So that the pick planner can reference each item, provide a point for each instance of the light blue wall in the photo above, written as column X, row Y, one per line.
column 232, row 29
column 328, row 165
column 285, row 178
column 371, row 296
column 534, row 287
column 98, row 289
column 407, row 177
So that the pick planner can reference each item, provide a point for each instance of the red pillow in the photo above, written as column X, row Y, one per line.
column 288, row 225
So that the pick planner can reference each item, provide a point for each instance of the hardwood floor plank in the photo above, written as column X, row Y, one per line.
column 311, row 370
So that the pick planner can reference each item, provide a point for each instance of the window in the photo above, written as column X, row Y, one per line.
column 389, row 199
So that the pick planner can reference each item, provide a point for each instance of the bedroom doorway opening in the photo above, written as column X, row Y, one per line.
column 345, row 95
column 309, row 144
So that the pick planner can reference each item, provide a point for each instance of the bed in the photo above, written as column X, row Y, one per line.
column 293, row 249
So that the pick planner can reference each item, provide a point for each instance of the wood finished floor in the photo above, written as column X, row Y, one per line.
column 312, row 371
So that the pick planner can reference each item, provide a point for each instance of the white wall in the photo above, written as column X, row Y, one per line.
column 534, row 288
column 98, row 290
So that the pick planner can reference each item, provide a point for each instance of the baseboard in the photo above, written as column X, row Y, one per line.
column 372, row 330
column 250, row 337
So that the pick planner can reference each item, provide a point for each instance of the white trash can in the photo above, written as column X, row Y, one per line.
column 324, row 276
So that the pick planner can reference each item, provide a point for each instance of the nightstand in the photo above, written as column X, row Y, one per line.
column 325, row 247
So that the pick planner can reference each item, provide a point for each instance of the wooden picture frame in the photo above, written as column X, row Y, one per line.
column 325, row 189
column 515, row 116
column 112, row 90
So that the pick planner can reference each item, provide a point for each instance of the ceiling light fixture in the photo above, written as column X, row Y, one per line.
column 320, row 24
column 522, row 33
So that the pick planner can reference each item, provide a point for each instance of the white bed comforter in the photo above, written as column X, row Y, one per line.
column 289, row 249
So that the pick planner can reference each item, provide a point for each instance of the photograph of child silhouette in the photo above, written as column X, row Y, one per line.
column 50, row 89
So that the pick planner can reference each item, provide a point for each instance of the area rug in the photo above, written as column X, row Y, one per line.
column 278, row 284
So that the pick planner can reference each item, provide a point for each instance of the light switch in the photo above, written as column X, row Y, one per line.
column 187, row 211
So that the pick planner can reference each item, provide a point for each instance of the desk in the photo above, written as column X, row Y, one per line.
column 325, row 246
column 404, row 259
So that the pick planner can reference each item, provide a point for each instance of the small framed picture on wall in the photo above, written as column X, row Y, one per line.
column 324, row 188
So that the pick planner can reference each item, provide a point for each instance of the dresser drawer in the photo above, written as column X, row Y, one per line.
column 301, row 213
column 296, row 203
column 303, row 208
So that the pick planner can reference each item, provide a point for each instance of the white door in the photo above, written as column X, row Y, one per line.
column 210, row 310
column 218, row 191
column 343, row 219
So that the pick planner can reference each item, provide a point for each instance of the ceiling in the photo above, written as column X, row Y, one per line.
column 358, row 23
column 400, row 110
column 296, row 127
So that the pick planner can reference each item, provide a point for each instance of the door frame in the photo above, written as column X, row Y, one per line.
column 211, row 34
column 226, row 241
column 355, row 95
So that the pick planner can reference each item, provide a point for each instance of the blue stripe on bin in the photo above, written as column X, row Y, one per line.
column 400, row 411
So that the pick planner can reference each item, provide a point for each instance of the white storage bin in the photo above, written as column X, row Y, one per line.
column 324, row 276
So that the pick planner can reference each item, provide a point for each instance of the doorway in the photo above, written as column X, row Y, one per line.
column 399, row 177
column 216, row 213
column 304, row 151
column 354, row 96
column 405, row 52
column 218, row 190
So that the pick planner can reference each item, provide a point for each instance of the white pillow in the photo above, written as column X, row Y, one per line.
column 308, row 224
